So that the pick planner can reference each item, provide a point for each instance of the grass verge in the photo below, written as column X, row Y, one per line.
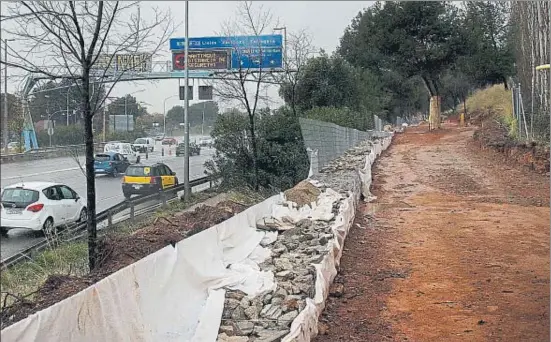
column 23, row 280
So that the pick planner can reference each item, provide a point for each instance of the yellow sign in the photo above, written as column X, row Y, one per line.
column 124, row 62
column 146, row 171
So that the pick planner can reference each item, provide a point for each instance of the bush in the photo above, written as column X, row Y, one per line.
column 282, row 159
column 494, row 102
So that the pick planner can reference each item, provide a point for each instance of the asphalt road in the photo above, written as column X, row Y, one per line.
column 67, row 171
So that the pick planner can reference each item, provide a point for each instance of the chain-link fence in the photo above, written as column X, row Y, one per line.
column 326, row 141
column 532, row 124
column 532, row 83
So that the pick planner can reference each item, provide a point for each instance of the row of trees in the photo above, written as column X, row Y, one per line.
column 395, row 56
column 392, row 59
column 532, row 22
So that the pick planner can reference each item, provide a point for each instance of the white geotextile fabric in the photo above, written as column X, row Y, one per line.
column 175, row 294
column 305, row 325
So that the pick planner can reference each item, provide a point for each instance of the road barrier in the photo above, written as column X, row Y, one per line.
column 161, row 198
column 48, row 152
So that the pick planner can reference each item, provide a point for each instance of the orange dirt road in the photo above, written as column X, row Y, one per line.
column 454, row 248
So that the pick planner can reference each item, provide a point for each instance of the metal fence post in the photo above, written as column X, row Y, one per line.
column 131, row 210
column 163, row 198
column 109, row 218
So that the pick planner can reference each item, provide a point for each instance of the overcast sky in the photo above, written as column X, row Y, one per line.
column 325, row 21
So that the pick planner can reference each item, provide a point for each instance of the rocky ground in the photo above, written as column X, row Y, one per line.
column 455, row 248
column 267, row 317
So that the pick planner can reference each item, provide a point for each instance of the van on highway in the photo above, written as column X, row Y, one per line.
column 144, row 145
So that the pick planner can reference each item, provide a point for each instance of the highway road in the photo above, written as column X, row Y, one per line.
column 66, row 170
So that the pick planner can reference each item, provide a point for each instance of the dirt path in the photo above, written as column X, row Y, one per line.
column 456, row 248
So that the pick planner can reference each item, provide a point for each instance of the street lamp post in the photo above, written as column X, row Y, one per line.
column 5, row 128
column 187, row 189
column 164, row 113
column 50, row 123
column 284, row 29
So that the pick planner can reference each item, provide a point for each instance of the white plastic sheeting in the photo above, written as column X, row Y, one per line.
column 175, row 294
column 305, row 325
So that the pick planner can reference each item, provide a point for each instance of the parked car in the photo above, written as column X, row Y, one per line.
column 123, row 148
column 159, row 138
column 147, row 179
column 194, row 149
column 110, row 163
column 144, row 144
column 40, row 206
column 169, row 141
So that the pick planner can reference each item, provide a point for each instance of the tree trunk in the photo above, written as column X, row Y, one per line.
column 90, row 175
column 255, row 154
column 435, row 112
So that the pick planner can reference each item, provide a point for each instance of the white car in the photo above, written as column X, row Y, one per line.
column 123, row 148
column 40, row 206
column 206, row 142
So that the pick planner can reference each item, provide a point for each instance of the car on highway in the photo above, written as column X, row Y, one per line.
column 206, row 142
column 110, row 163
column 147, row 179
column 40, row 206
column 194, row 149
column 123, row 148
column 144, row 145
column 169, row 141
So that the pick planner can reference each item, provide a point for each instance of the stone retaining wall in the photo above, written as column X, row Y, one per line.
column 304, row 258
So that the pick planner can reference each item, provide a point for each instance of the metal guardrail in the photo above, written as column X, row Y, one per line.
column 47, row 152
column 162, row 199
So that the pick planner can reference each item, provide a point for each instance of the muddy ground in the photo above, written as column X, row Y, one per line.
column 455, row 248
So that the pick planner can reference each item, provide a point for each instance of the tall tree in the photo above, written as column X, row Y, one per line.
column 410, row 38
column 207, row 110
column 299, row 50
column 126, row 105
column 488, row 32
column 325, row 82
column 65, row 40
column 59, row 97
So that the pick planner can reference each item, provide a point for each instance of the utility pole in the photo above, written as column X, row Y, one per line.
column 67, row 107
column 6, row 133
column 203, row 123
column 125, row 111
column 187, row 189
column 5, row 119
column 104, row 110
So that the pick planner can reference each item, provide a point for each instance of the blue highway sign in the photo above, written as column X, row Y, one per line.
column 265, row 41
column 253, row 59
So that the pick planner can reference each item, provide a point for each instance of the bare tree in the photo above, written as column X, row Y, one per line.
column 78, row 40
column 247, row 84
column 299, row 49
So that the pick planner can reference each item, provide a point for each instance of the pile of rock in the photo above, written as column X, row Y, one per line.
column 268, row 317
column 298, row 246
column 341, row 173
